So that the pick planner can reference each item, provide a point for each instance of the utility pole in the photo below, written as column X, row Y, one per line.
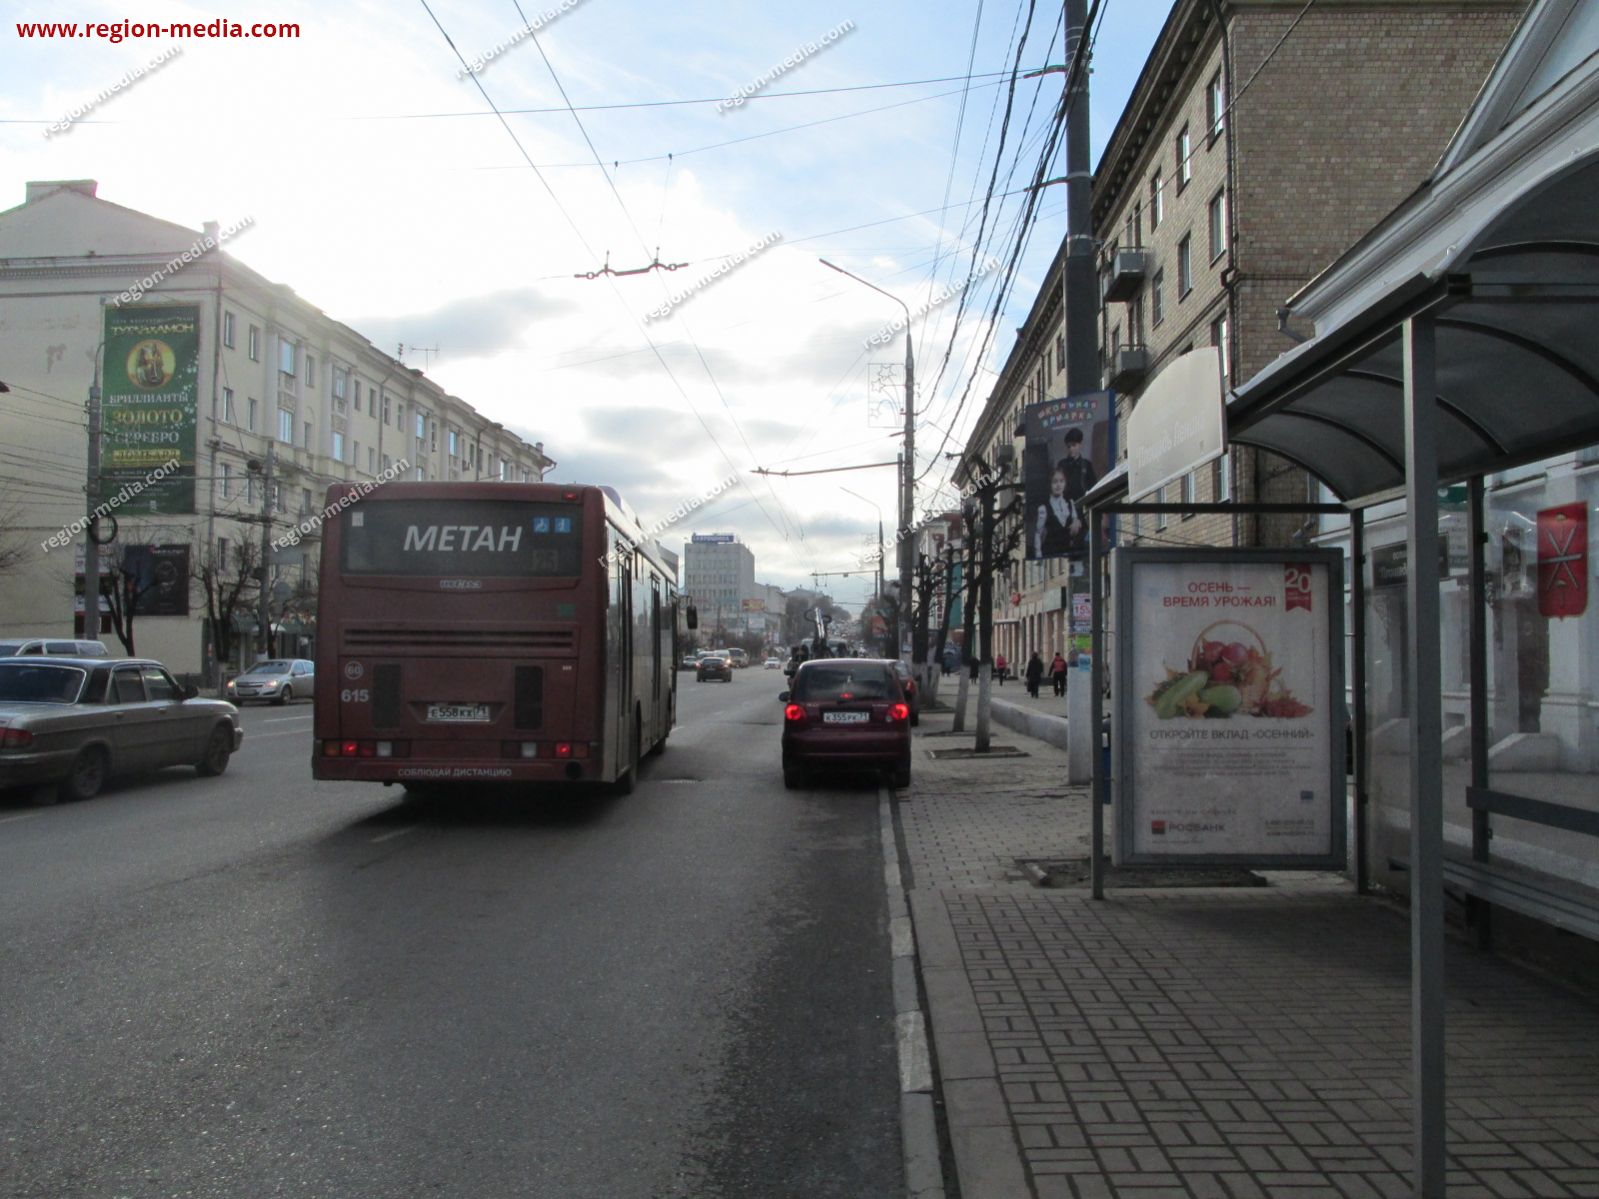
column 91, row 547
column 985, row 620
column 908, row 496
column 1079, row 285
column 265, row 614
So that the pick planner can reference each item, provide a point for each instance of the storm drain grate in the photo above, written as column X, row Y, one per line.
column 994, row 751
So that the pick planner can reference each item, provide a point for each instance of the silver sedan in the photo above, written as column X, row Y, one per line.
column 277, row 681
column 72, row 723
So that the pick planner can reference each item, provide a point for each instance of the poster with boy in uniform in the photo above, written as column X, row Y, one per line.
column 1069, row 443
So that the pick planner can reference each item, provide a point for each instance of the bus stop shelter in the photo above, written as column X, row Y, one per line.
column 1458, row 338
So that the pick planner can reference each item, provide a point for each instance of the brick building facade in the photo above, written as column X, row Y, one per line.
column 1261, row 140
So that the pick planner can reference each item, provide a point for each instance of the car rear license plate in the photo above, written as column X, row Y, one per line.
column 458, row 713
column 845, row 717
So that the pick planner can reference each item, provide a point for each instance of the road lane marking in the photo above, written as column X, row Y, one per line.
column 399, row 832
column 284, row 733
column 281, row 719
column 23, row 816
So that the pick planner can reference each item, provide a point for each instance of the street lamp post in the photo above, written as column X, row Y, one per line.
column 907, row 497
column 864, row 500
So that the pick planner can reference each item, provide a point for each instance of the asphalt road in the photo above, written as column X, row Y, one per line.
column 259, row 986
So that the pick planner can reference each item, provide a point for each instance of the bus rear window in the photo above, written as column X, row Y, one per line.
column 489, row 539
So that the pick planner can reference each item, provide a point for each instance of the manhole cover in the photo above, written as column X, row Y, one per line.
column 1075, row 872
column 994, row 751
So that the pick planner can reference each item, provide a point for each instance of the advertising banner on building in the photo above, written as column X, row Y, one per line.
column 1070, row 443
column 148, row 408
column 159, row 575
column 1229, row 708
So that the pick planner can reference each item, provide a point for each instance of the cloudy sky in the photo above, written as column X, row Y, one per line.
column 384, row 188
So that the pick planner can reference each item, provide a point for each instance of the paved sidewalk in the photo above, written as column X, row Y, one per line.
column 1207, row 1043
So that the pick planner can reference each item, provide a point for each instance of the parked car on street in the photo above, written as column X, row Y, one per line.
column 277, row 681
column 773, row 664
column 11, row 647
column 72, row 723
column 846, row 714
column 714, row 666
column 913, row 695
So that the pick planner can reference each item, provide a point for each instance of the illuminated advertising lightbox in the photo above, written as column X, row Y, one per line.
column 1229, row 708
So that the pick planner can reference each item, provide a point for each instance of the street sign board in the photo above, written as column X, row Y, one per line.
column 1176, row 426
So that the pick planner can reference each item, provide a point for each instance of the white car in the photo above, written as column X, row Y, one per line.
column 773, row 664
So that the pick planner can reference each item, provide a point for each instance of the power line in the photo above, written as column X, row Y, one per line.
column 633, row 225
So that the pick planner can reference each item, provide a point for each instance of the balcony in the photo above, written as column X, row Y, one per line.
column 1126, row 276
column 1128, row 366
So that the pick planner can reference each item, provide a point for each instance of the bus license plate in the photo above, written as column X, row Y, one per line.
column 458, row 713
column 845, row 717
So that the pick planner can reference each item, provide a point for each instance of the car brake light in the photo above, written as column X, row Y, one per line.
column 15, row 739
column 899, row 712
column 793, row 712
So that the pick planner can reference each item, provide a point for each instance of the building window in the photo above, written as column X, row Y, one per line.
column 1162, row 519
column 455, row 444
column 1218, row 338
column 310, row 370
column 227, row 332
column 1220, row 479
column 1185, row 266
column 249, row 491
column 227, row 480
column 228, row 414
column 305, row 500
column 340, row 379
column 421, row 426
column 285, row 426
column 285, row 356
column 371, row 460
column 1215, row 106
column 222, row 555
column 255, row 344
column 1157, row 311
column 1135, row 322
column 433, row 436
column 1157, row 202
column 1138, row 223
column 385, row 464
column 1218, row 224
column 1188, row 493
column 306, row 430
column 253, row 405
column 1185, row 162
column 1060, row 352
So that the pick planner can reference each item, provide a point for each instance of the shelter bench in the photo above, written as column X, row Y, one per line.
column 1555, row 901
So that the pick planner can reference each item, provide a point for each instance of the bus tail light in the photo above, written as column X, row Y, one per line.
column 898, row 712
column 794, row 713
column 366, row 749
column 563, row 749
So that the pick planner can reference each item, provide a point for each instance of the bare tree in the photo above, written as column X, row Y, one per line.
column 229, row 587
column 13, row 545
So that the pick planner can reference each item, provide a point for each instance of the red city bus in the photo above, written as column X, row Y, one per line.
column 490, row 631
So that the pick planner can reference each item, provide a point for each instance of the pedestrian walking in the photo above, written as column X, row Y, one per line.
column 1035, row 674
column 1000, row 666
column 1057, row 674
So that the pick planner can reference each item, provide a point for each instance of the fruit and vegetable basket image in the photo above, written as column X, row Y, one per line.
column 1230, row 673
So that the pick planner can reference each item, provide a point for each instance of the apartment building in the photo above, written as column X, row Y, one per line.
column 263, row 374
column 1255, row 148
